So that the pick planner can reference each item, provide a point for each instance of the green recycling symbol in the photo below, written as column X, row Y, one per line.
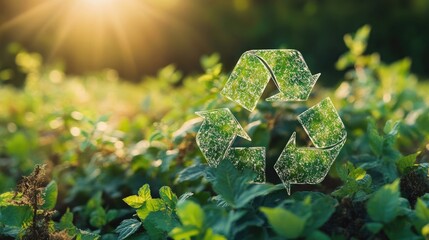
column 290, row 73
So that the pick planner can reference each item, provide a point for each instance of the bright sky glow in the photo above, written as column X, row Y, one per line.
column 92, row 31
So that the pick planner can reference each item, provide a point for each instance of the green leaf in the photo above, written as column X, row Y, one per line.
column 209, row 235
column 208, row 61
column 112, row 214
column 356, row 180
column 139, row 236
column 50, row 195
column 344, row 169
column 144, row 192
column 156, row 136
column 127, row 228
column 169, row 198
column 238, row 222
column 150, row 205
column 383, row 206
column 191, row 173
column 317, row 235
column 185, row 232
column 425, row 197
column 15, row 215
column 13, row 219
column 190, row 214
column 11, row 231
column 391, row 128
column 321, row 206
column 66, row 223
column 284, row 222
column 159, row 224
column 134, row 201
column 85, row 235
column 406, row 162
column 98, row 217
column 374, row 228
column 6, row 198
column 400, row 228
column 422, row 211
column 234, row 186
column 375, row 140
column 425, row 231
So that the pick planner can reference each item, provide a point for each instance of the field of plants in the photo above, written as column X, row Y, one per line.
column 95, row 157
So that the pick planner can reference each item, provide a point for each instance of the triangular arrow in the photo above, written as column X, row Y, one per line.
column 310, row 165
column 291, row 74
column 305, row 165
column 250, row 77
column 217, row 133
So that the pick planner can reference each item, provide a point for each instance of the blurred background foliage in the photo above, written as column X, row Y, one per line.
column 102, row 138
column 137, row 37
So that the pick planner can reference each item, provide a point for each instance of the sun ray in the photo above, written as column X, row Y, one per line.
column 106, row 33
column 51, row 22
column 60, row 36
column 123, row 42
column 36, row 12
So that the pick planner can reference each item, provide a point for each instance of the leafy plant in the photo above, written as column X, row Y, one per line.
column 157, row 215
column 27, row 213
column 103, row 168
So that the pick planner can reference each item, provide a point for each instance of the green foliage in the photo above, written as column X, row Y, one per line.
column 385, row 204
column 95, row 211
column 13, row 218
column 127, row 228
column 157, row 215
column 66, row 224
column 192, row 217
column 306, row 212
column 50, row 196
column 6, row 198
column 108, row 145
column 145, row 204
column 277, row 217
column 406, row 162
column 356, row 182
column 234, row 187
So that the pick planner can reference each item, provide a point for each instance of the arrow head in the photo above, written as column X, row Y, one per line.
column 224, row 120
column 290, row 73
column 217, row 133
column 255, row 68
column 296, row 92
column 305, row 165
column 287, row 156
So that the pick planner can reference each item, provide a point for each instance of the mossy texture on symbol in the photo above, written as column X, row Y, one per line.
column 294, row 80
column 217, row 134
column 255, row 68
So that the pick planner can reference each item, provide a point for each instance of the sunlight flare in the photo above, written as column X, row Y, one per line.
column 98, row 33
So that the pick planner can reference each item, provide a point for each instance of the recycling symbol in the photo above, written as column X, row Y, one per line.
column 290, row 73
